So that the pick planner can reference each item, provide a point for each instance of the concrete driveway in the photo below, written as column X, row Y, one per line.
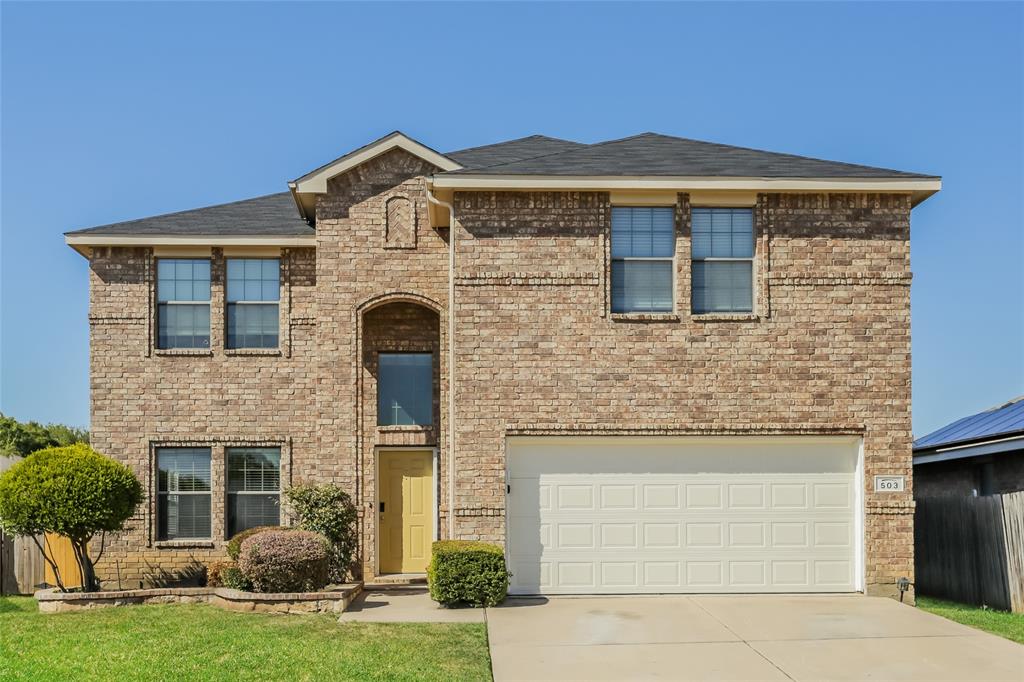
column 739, row 638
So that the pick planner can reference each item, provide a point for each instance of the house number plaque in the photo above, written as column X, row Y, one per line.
column 890, row 484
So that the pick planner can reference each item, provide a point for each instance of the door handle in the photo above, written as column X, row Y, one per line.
column 381, row 507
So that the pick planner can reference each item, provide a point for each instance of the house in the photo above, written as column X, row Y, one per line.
column 982, row 454
column 650, row 364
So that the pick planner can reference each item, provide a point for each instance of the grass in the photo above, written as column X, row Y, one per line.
column 1002, row 623
column 201, row 642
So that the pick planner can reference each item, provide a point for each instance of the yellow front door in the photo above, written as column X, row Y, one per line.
column 406, row 510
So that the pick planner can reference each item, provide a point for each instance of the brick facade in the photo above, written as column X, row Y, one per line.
column 827, row 350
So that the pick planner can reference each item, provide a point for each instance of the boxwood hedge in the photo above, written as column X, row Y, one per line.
column 467, row 572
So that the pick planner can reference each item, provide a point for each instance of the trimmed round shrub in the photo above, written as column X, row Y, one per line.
column 235, row 543
column 72, row 491
column 328, row 510
column 285, row 561
column 467, row 572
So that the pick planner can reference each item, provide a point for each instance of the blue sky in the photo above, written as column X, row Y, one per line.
column 117, row 111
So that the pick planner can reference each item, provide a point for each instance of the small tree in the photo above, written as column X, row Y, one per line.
column 72, row 491
column 328, row 510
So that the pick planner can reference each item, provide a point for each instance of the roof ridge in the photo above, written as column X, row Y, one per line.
column 786, row 154
column 180, row 212
column 1009, row 402
column 515, row 139
column 706, row 143
column 583, row 146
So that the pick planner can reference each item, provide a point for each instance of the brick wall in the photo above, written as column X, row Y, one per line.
column 142, row 398
column 356, row 273
column 961, row 477
column 827, row 350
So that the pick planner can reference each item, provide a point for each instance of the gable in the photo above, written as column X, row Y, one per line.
column 305, row 188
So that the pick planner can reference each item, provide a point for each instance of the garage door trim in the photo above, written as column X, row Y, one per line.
column 744, row 450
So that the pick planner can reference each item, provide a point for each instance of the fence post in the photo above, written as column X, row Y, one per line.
column 1013, row 532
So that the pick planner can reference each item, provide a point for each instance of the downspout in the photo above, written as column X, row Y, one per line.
column 451, row 355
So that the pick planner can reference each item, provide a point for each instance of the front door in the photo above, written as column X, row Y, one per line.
column 406, row 509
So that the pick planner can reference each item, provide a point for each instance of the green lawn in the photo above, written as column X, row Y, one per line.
column 205, row 643
column 1002, row 623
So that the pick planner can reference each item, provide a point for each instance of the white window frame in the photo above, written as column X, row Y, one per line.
column 672, row 260
column 752, row 260
column 156, row 310
column 228, row 303
column 228, row 493
column 162, row 496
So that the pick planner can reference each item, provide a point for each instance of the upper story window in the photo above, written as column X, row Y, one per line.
column 405, row 389
column 254, row 488
column 643, row 250
column 183, row 493
column 723, row 260
column 253, row 299
column 183, row 302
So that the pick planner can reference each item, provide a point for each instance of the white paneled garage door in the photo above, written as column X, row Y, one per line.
column 590, row 516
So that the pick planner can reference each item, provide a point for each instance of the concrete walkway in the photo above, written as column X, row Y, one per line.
column 404, row 606
column 740, row 638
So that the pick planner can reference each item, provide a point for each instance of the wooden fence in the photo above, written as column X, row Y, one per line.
column 22, row 567
column 21, row 563
column 971, row 549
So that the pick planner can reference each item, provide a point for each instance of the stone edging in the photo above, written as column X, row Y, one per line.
column 332, row 601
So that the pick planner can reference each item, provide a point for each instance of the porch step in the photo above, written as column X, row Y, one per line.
column 397, row 581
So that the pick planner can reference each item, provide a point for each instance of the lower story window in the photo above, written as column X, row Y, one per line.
column 254, row 488
column 183, row 493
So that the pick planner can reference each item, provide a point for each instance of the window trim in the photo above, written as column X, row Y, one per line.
column 227, row 484
column 162, row 495
column 627, row 314
column 228, row 303
column 186, row 350
column 753, row 260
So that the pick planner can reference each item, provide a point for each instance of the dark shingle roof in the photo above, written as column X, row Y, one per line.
column 997, row 421
column 648, row 154
column 654, row 154
column 270, row 215
column 512, row 150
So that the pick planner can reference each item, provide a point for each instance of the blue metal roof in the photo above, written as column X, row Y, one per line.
column 997, row 421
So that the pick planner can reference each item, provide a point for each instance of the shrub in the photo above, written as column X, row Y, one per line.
column 72, row 491
column 467, row 572
column 215, row 572
column 285, row 561
column 235, row 543
column 232, row 577
column 327, row 510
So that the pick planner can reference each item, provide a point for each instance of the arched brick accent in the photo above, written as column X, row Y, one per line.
column 398, row 296
column 399, row 223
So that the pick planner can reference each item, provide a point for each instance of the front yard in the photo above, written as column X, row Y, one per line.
column 205, row 643
column 1002, row 623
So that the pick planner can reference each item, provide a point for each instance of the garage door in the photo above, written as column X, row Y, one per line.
column 591, row 516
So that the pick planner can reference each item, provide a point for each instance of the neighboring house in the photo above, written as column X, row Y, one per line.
column 978, row 455
column 645, row 365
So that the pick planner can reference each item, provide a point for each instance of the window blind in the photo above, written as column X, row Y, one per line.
column 642, row 246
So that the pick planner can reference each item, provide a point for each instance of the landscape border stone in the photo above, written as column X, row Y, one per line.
column 335, row 600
